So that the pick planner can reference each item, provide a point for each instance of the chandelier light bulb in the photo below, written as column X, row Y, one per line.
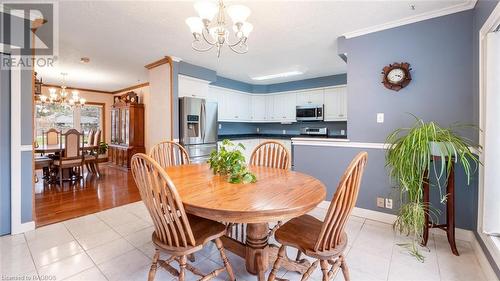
column 195, row 25
column 82, row 101
column 43, row 98
column 238, row 13
column 75, row 95
column 246, row 29
column 206, row 9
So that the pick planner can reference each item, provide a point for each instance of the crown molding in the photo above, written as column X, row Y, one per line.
column 467, row 5
column 78, row 89
column 131, row 88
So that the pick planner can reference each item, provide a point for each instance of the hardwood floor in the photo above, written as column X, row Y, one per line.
column 54, row 203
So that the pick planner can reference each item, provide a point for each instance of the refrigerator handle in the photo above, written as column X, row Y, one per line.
column 203, row 120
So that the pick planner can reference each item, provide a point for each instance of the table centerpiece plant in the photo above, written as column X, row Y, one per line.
column 229, row 161
column 408, row 157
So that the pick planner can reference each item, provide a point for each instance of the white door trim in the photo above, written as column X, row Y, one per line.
column 492, row 22
column 16, row 150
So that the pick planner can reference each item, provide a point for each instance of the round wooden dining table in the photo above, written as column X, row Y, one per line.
column 277, row 195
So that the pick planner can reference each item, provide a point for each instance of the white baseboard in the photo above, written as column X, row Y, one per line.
column 483, row 261
column 460, row 234
column 23, row 227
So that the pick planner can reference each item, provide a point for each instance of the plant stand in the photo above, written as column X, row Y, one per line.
column 449, row 226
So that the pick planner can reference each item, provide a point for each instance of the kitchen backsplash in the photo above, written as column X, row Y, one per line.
column 233, row 128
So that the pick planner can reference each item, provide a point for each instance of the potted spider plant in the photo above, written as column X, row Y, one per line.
column 408, row 157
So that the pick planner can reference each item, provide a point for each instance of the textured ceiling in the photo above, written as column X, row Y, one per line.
column 120, row 37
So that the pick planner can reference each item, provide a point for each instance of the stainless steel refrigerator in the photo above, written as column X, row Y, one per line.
column 198, row 127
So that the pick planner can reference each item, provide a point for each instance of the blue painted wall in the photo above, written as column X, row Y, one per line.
column 5, row 148
column 332, row 80
column 440, row 52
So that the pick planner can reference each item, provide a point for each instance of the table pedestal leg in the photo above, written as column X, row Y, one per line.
column 256, row 253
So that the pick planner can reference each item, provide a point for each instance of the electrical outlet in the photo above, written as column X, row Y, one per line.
column 258, row 130
column 220, row 126
column 284, row 132
column 342, row 132
column 380, row 117
column 380, row 202
column 388, row 203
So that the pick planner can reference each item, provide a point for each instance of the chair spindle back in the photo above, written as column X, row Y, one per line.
column 270, row 154
column 162, row 201
column 169, row 153
column 342, row 204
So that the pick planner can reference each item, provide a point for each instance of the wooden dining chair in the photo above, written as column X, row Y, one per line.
column 325, row 240
column 169, row 153
column 176, row 233
column 271, row 154
column 92, row 159
column 71, row 154
column 51, row 136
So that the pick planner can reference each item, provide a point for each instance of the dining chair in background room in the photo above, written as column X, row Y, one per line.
column 51, row 137
column 71, row 154
column 176, row 233
column 88, row 154
column 169, row 153
column 271, row 154
column 92, row 158
column 325, row 240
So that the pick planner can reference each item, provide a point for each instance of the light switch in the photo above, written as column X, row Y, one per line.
column 220, row 126
column 380, row 117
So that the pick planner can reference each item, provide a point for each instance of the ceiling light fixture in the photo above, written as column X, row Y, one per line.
column 209, row 32
column 278, row 75
column 85, row 60
column 62, row 98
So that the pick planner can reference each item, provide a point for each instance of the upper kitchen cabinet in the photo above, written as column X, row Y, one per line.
column 310, row 97
column 233, row 106
column 284, row 107
column 335, row 103
column 261, row 108
column 193, row 87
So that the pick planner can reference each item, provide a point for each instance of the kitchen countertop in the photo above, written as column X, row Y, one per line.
column 281, row 136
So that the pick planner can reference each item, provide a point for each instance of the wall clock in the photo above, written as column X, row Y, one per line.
column 396, row 76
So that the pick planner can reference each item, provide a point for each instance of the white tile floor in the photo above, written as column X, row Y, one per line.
column 116, row 245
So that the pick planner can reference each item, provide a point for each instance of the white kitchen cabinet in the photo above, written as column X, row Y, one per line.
column 310, row 97
column 233, row 106
column 335, row 104
column 192, row 87
column 283, row 109
column 260, row 108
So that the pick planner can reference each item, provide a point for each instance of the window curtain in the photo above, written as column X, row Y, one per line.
column 491, row 216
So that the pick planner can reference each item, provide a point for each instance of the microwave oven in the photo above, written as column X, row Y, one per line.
column 309, row 113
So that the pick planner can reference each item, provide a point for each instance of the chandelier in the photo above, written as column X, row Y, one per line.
column 211, row 30
column 62, row 97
